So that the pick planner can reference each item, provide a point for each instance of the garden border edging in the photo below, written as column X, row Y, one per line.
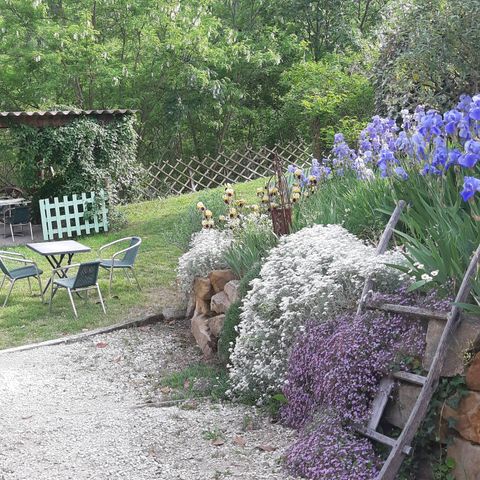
column 151, row 319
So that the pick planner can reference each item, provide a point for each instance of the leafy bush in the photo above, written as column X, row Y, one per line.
column 82, row 156
column 228, row 335
column 318, row 271
column 324, row 95
column 334, row 372
column 348, row 201
column 207, row 253
column 252, row 242
column 428, row 54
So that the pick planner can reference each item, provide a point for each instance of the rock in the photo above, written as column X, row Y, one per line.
column 202, row 307
column 202, row 288
column 190, row 306
column 173, row 313
column 201, row 332
column 466, row 416
column 215, row 325
column 232, row 290
column 473, row 374
column 399, row 407
column 467, row 334
column 466, row 456
column 219, row 278
column 219, row 303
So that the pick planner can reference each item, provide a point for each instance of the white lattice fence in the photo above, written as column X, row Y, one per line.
column 181, row 176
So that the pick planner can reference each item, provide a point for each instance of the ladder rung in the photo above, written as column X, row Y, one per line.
column 380, row 437
column 410, row 377
column 423, row 313
column 380, row 401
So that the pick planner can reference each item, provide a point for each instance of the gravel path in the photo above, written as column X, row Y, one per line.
column 76, row 412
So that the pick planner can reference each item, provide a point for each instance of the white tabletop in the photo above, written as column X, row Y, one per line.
column 11, row 201
column 60, row 247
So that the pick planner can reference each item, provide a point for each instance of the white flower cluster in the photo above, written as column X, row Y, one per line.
column 317, row 272
column 207, row 249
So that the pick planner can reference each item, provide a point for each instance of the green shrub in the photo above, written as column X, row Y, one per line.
column 253, row 272
column 356, row 204
column 252, row 242
column 229, row 333
column 82, row 156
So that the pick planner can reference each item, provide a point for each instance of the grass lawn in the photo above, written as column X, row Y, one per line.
column 25, row 319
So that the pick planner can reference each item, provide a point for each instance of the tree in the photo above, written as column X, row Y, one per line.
column 428, row 54
column 326, row 97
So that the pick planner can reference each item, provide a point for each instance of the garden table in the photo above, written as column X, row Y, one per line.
column 9, row 202
column 57, row 252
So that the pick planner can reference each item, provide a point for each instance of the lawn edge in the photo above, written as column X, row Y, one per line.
column 149, row 320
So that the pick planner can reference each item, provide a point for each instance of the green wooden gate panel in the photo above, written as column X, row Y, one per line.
column 71, row 216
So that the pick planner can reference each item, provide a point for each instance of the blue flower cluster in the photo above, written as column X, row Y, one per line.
column 427, row 142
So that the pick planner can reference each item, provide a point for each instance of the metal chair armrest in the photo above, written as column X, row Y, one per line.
column 103, row 247
column 66, row 267
column 16, row 259
column 10, row 254
column 62, row 269
column 116, row 254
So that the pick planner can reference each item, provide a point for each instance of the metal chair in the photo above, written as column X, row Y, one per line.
column 86, row 279
column 19, row 217
column 127, row 262
column 28, row 270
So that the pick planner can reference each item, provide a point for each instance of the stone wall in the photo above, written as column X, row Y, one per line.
column 464, row 421
column 213, row 295
column 211, row 298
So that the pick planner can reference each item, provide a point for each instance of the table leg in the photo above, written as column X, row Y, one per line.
column 56, row 263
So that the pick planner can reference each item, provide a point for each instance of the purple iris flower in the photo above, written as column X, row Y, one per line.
column 401, row 173
column 430, row 169
column 464, row 103
column 419, row 143
column 452, row 118
column 471, row 185
column 315, row 170
column 431, row 124
column 453, row 157
column 472, row 154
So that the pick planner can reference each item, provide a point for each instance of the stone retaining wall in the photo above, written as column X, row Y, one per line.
column 211, row 298
column 464, row 421
column 213, row 295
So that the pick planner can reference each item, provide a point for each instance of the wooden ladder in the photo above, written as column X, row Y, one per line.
column 401, row 446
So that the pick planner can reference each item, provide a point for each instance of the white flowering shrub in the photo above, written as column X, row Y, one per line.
column 207, row 250
column 312, row 274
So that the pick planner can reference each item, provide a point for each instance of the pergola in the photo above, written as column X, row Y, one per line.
column 57, row 118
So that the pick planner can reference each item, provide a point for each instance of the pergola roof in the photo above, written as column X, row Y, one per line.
column 55, row 118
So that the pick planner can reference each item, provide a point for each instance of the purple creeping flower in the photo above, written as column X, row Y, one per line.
column 326, row 450
column 337, row 364
column 471, row 185
column 333, row 375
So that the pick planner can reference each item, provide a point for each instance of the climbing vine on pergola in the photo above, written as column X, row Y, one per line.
column 66, row 152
